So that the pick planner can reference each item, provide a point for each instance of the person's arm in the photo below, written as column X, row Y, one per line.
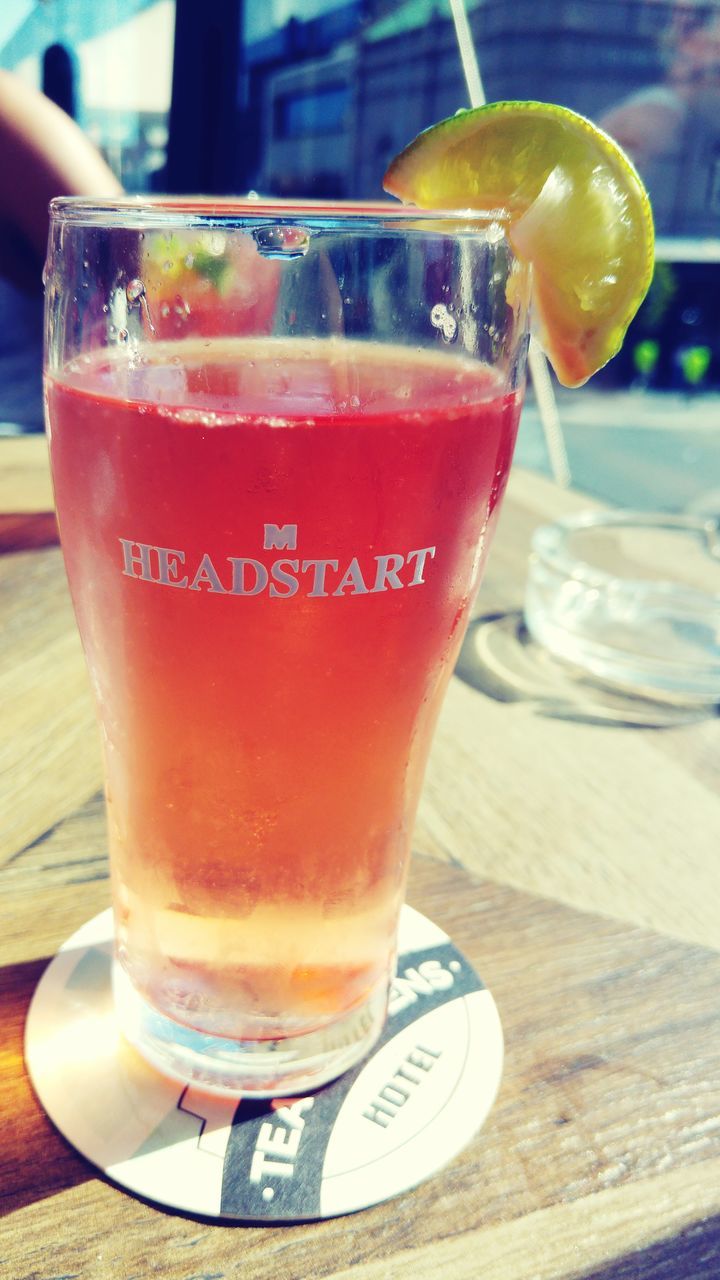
column 43, row 153
column 645, row 126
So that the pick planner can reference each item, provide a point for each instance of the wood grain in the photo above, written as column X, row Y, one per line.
column 18, row 533
column 25, row 485
column 27, row 509
column 594, row 1229
column 626, row 822
column 605, row 1139
column 49, row 752
column 576, row 865
column 622, row 821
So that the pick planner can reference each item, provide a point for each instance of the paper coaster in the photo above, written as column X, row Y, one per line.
column 382, row 1128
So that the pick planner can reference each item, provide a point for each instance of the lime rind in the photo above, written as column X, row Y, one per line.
column 576, row 209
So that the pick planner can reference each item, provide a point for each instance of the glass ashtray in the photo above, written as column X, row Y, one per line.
column 633, row 599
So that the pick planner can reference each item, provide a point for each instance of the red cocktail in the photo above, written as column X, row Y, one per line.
column 273, row 543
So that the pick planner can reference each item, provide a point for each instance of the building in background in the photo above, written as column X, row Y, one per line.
column 338, row 103
column 311, row 98
column 334, row 107
column 328, row 90
column 301, row 89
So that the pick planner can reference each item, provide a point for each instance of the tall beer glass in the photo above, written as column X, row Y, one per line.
column 279, row 436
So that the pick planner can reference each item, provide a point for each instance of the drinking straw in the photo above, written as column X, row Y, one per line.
column 544, row 394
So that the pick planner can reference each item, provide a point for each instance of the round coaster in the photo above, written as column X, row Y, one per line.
column 380, row 1129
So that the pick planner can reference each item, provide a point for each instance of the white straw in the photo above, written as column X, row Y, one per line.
column 549, row 416
column 544, row 394
column 471, row 68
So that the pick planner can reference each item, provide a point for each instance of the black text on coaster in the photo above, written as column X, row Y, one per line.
column 383, row 1127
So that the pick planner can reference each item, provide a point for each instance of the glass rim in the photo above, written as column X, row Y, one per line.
column 150, row 212
column 551, row 543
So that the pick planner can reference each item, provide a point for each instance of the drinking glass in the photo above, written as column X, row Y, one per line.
column 279, row 435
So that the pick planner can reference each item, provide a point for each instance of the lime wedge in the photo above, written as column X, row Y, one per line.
column 576, row 210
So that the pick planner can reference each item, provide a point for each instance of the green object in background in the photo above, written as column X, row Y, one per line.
column 645, row 356
column 663, row 287
column 694, row 363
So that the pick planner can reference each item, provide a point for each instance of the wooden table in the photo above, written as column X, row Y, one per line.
column 573, row 858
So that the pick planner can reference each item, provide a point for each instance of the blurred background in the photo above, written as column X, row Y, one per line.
column 313, row 97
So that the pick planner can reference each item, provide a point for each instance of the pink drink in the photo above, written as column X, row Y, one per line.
column 272, row 548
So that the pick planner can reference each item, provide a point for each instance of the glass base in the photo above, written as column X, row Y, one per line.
column 260, row 1068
